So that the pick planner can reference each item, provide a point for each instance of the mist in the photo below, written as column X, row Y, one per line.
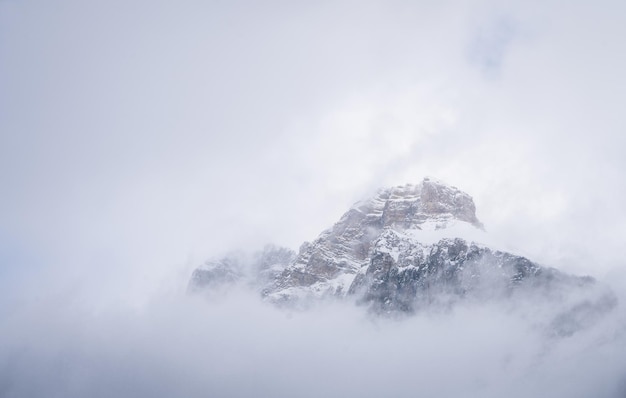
column 139, row 138
column 237, row 346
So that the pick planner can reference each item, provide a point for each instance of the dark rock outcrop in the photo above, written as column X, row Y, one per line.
column 328, row 264
column 386, row 253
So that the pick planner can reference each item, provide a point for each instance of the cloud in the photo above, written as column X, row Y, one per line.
column 490, row 44
column 138, row 138
column 237, row 346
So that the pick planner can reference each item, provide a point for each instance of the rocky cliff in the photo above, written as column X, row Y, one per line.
column 329, row 264
column 403, row 250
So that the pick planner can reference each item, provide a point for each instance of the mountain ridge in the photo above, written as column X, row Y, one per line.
column 329, row 264
column 401, row 251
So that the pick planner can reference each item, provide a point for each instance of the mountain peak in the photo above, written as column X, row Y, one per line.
column 331, row 262
column 405, row 249
column 430, row 204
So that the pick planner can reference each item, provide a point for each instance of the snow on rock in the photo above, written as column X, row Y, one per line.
column 408, row 248
column 330, row 263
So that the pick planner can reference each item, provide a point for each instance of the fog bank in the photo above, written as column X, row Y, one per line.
column 237, row 346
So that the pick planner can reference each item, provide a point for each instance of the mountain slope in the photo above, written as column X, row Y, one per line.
column 329, row 264
column 405, row 249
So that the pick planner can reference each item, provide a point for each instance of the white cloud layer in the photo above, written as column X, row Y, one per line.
column 137, row 138
column 238, row 347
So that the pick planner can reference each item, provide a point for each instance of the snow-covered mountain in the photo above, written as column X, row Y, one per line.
column 330, row 264
column 404, row 249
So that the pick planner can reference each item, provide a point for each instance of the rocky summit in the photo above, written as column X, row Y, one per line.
column 329, row 265
column 403, row 250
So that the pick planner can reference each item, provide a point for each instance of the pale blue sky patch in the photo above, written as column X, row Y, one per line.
column 20, row 269
column 490, row 44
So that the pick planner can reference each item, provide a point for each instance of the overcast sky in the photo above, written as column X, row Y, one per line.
column 138, row 138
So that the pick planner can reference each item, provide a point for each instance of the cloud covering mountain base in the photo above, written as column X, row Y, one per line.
column 238, row 346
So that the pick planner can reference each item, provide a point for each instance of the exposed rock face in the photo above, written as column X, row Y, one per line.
column 217, row 273
column 406, row 275
column 269, row 263
column 257, row 270
column 382, row 254
column 330, row 263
